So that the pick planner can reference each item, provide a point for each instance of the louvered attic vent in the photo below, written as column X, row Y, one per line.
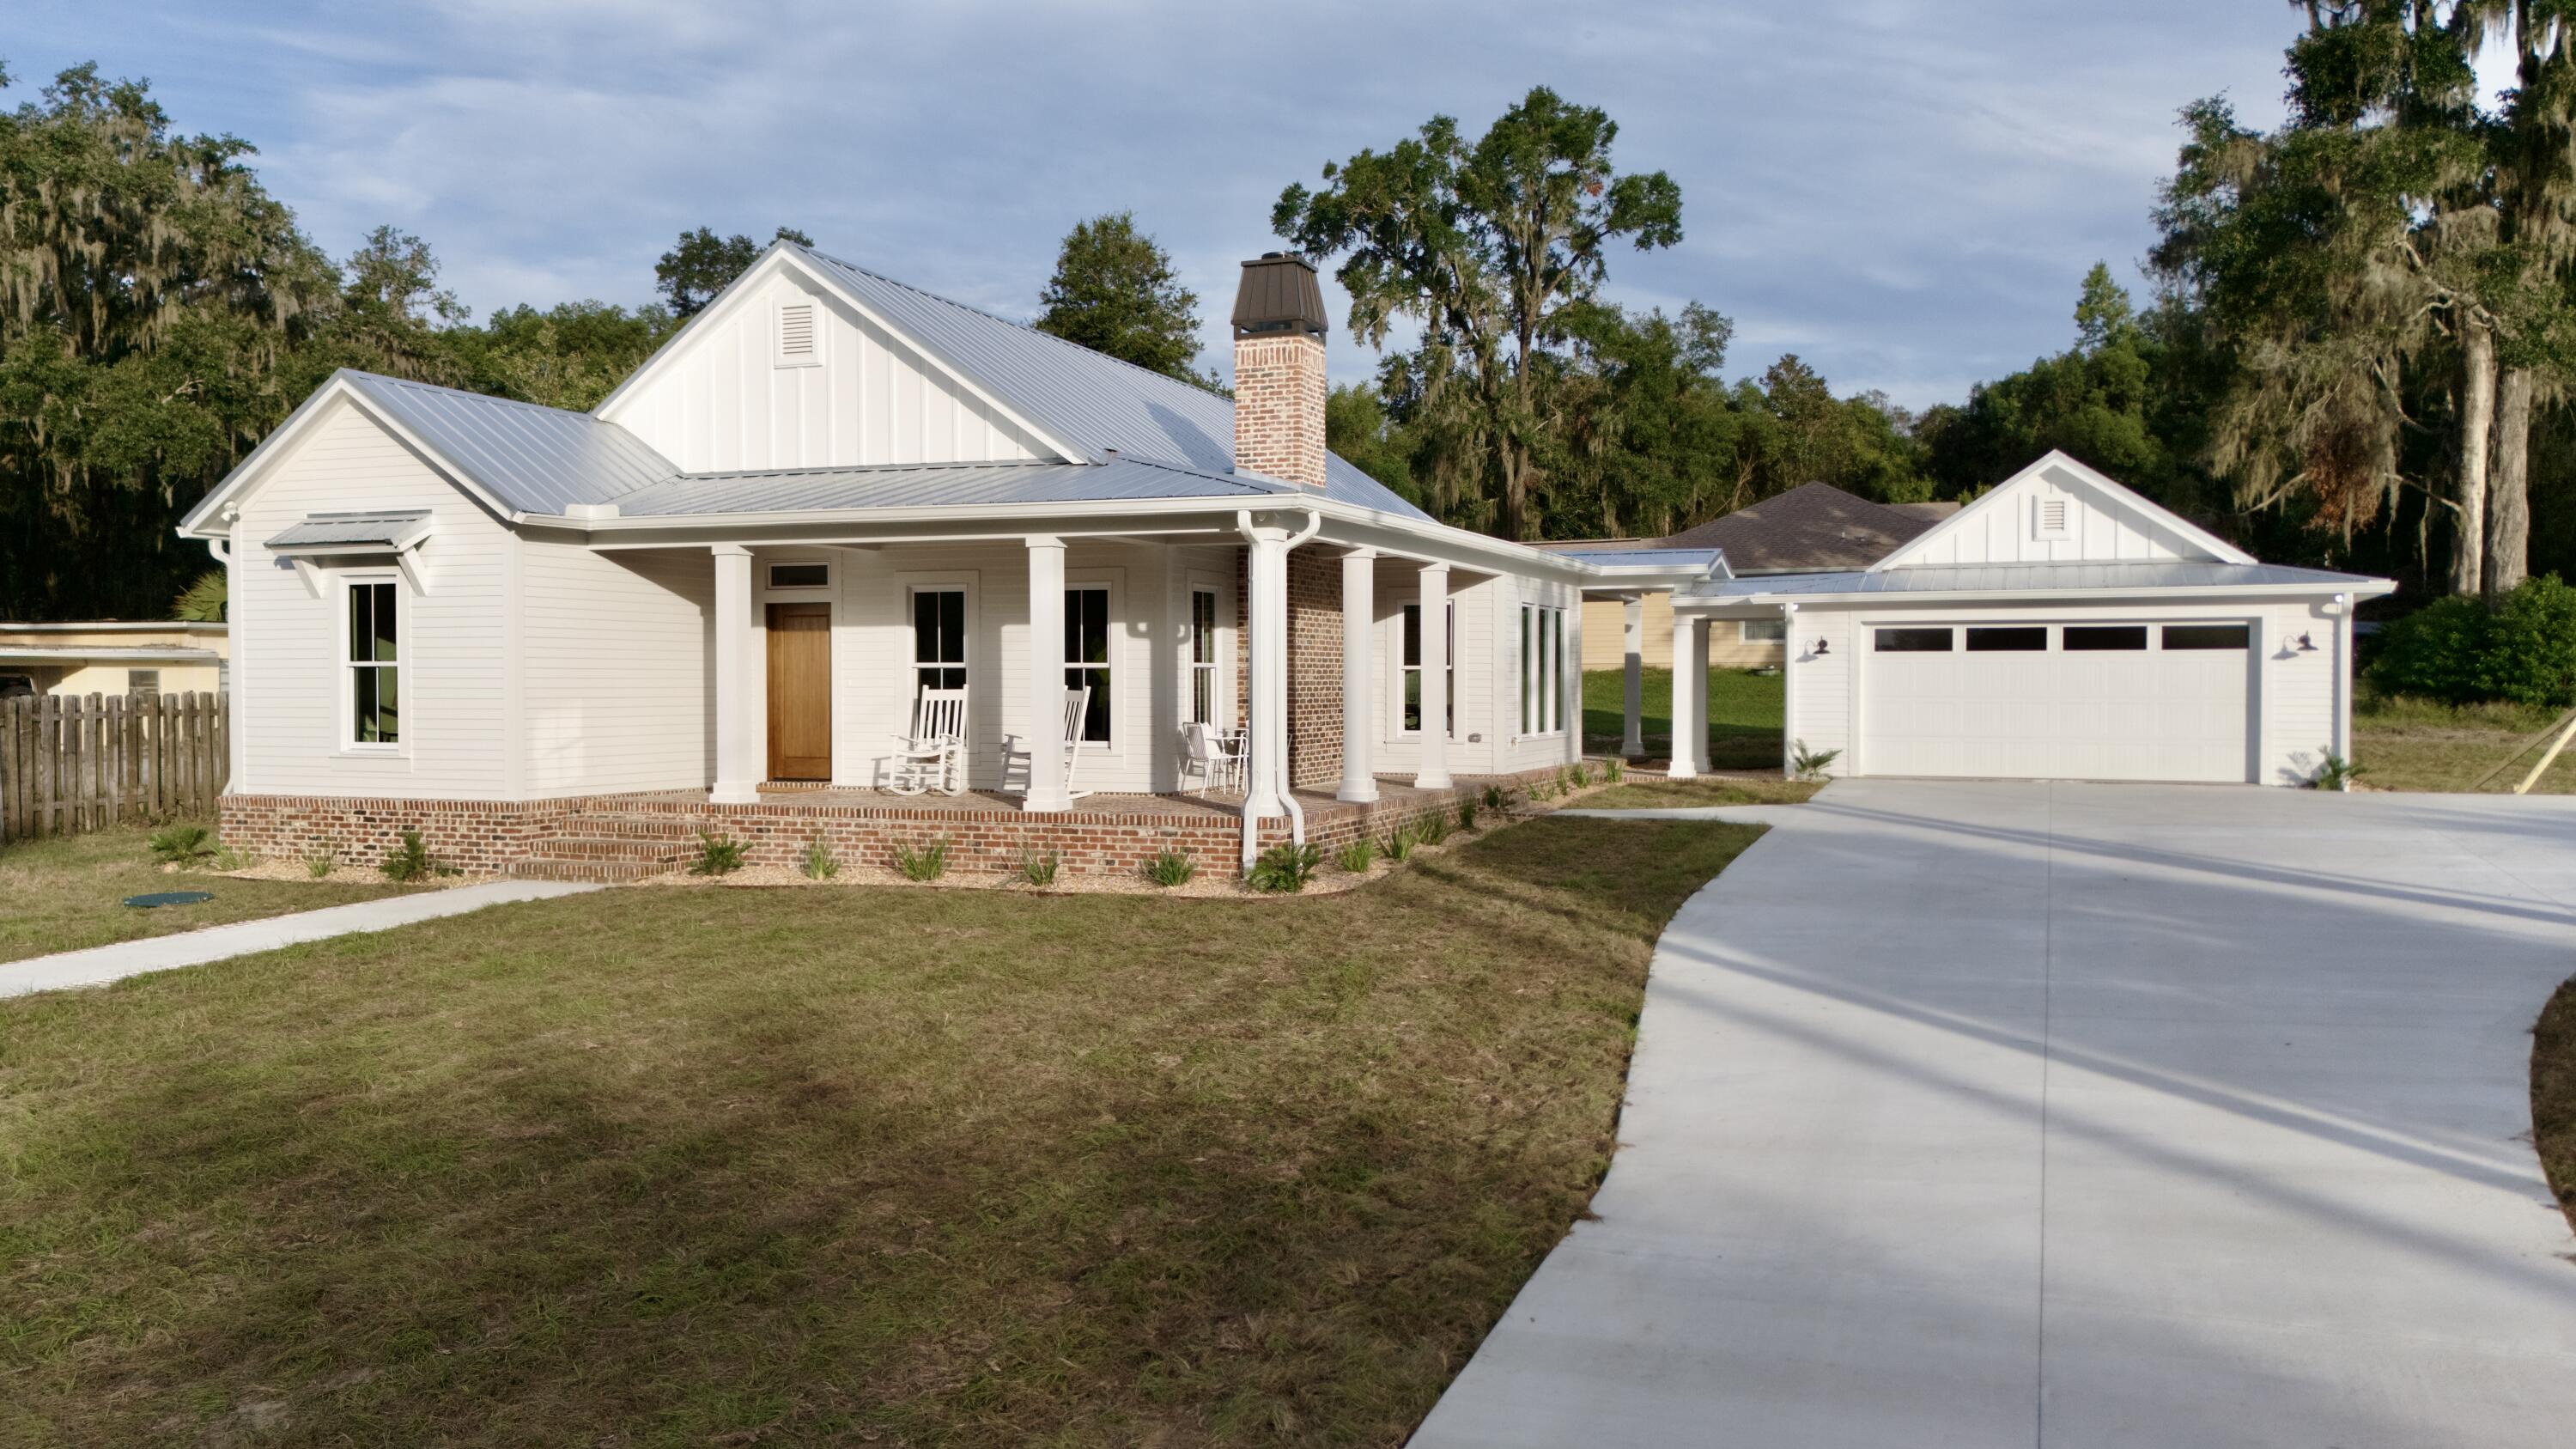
column 799, row 335
column 2052, row 518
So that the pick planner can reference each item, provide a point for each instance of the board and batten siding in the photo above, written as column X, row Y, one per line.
column 618, row 668
column 721, row 403
column 457, row 663
column 2003, row 528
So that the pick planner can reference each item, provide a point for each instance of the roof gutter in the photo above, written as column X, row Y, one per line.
column 2358, row 588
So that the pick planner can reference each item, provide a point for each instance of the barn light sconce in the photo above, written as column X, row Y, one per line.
column 1823, row 649
column 2307, row 645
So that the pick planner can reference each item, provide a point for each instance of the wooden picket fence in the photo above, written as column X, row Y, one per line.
column 72, row 763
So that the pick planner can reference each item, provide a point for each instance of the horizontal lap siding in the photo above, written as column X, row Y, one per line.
column 617, row 668
column 454, row 675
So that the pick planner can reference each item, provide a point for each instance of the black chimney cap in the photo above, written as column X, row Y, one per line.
column 1279, row 295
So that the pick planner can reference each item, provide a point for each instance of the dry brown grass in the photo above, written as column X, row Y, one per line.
column 878, row 1165
column 67, row 892
column 1644, row 791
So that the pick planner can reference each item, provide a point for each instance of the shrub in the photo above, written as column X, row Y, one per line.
column 320, row 864
column 717, row 854
column 182, row 844
column 1432, row 829
column 1807, row 764
column 1399, row 846
column 820, row 861
column 1357, row 857
column 2457, row 651
column 1466, row 814
column 2337, row 773
column 928, row 862
column 1283, row 869
column 1171, row 868
column 1038, row 870
column 1614, row 770
column 1496, row 797
column 411, row 861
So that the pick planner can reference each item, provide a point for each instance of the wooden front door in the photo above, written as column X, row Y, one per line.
column 800, row 691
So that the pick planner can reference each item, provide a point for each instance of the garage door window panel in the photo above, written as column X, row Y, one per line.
column 1913, row 641
column 2105, row 638
column 2011, row 639
column 2207, row 636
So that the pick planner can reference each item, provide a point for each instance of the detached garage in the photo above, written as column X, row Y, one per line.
column 2062, row 627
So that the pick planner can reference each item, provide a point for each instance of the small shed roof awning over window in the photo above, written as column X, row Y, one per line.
column 338, row 533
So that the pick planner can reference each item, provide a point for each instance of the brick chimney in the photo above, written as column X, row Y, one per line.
column 1279, row 370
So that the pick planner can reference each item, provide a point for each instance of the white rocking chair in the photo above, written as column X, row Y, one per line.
column 1205, row 755
column 933, row 756
column 1077, row 705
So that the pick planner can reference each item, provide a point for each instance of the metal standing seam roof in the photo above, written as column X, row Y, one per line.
column 942, row 485
column 1661, row 558
column 537, row 459
column 2066, row 578
column 1088, row 398
column 386, row 529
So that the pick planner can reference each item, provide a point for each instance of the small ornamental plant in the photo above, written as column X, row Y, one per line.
column 1466, row 814
column 1431, row 829
column 1399, row 847
column 928, row 862
column 1170, row 868
column 320, row 864
column 1038, row 870
column 1285, row 869
column 820, row 862
column 411, row 861
column 1497, row 798
column 182, row 844
column 1614, row 770
column 1356, row 857
column 1807, row 764
column 717, row 854
column 2337, row 773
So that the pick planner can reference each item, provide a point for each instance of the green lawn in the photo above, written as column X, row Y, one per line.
column 850, row 1165
column 2415, row 744
column 1744, row 713
column 66, row 892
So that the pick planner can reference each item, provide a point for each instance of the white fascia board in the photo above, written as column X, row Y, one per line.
column 2006, row 598
column 2220, row 550
column 305, row 418
column 784, row 256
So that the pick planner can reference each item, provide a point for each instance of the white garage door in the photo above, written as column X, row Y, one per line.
column 2065, row 700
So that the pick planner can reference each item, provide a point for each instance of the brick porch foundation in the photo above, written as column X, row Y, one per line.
column 627, row 837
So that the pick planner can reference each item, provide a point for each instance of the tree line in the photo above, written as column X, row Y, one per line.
column 2354, row 351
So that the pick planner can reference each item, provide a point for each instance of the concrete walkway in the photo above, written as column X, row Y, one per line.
column 1981, row 1114
column 99, row 965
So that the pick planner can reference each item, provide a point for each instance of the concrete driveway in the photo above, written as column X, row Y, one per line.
column 1976, row 1114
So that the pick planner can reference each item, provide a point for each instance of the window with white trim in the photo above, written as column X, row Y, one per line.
column 1762, row 631
column 1412, row 666
column 371, row 654
column 938, row 639
column 1203, row 656
column 1086, row 655
column 1542, row 669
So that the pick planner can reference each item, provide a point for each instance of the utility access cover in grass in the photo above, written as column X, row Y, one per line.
column 158, row 899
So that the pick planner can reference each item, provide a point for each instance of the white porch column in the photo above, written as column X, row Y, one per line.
column 1690, row 697
column 741, row 755
column 1632, row 634
column 1434, row 773
column 1044, row 730
column 1788, row 691
column 1359, row 675
column 1699, row 694
column 1265, row 596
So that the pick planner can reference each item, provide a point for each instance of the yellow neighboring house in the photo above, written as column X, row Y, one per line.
column 112, row 657
column 1813, row 528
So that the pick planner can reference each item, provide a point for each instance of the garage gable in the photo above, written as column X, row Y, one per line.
column 2057, row 510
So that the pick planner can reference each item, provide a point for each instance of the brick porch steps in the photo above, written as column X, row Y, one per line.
column 611, row 848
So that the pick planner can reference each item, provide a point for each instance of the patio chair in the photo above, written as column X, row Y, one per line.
column 1211, row 757
column 1077, row 705
column 933, row 756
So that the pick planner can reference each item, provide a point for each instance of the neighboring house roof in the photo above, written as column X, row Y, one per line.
column 1933, row 510
column 47, row 654
column 1811, row 527
column 2141, row 576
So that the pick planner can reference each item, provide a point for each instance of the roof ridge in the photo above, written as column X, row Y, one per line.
column 923, row 467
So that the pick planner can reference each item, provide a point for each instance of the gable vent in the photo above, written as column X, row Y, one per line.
column 2052, row 518
column 799, row 341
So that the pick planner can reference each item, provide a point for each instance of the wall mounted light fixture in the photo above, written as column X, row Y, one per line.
column 2307, row 645
column 1823, row 649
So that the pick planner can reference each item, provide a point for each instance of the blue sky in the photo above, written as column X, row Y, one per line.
column 1905, row 194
